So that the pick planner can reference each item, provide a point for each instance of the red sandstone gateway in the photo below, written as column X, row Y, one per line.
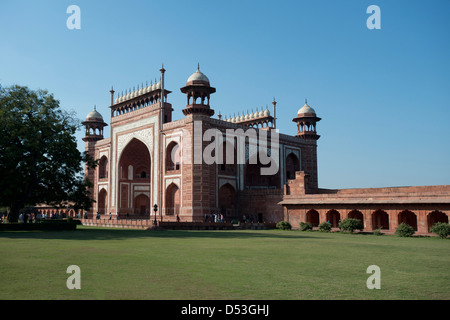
column 148, row 160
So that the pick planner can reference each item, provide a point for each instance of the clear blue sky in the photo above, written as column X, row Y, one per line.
column 383, row 95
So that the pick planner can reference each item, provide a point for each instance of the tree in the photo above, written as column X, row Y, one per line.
column 39, row 159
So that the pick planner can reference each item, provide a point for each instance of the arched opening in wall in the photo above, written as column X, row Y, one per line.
column 133, row 172
column 134, row 160
column 409, row 218
column 333, row 217
column 292, row 166
column 142, row 205
column 227, row 200
column 102, row 201
column 103, row 168
column 380, row 220
column 436, row 216
column 173, row 157
column 173, row 200
column 312, row 216
column 356, row 214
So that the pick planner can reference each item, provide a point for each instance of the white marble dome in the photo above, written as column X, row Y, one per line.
column 198, row 76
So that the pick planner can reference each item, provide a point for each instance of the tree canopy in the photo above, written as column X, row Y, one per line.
column 39, row 159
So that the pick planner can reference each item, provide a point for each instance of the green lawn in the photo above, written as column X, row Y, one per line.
column 252, row 264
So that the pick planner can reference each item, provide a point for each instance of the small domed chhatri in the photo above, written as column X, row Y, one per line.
column 306, row 120
column 198, row 91
column 94, row 125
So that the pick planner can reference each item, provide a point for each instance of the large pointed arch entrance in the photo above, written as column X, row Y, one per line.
column 134, row 179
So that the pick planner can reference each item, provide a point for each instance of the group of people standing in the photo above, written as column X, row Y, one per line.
column 214, row 217
column 30, row 217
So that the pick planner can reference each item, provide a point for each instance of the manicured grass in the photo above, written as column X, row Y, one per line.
column 252, row 264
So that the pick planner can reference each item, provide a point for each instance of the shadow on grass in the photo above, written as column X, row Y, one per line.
column 90, row 233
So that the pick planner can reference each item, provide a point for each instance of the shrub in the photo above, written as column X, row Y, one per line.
column 442, row 229
column 404, row 230
column 284, row 225
column 350, row 224
column 325, row 227
column 304, row 226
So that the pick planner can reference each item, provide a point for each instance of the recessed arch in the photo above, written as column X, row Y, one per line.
column 227, row 200
column 333, row 217
column 312, row 216
column 173, row 156
column 103, row 201
column 409, row 218
column 136, row 155
column 173, row 200
column 380, row 220
column 134, row 171
column 292, row 165
column 103, row 168
column 434, row 217
column 142, row 205
column 356, row 214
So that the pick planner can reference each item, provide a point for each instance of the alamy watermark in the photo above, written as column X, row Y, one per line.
column 74, row 20
column 374, row 21
column 74, row 280
column 374, row 281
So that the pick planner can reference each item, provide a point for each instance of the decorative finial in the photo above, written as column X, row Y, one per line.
column 198, row 66
column 306, row 101
column 95, row 107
